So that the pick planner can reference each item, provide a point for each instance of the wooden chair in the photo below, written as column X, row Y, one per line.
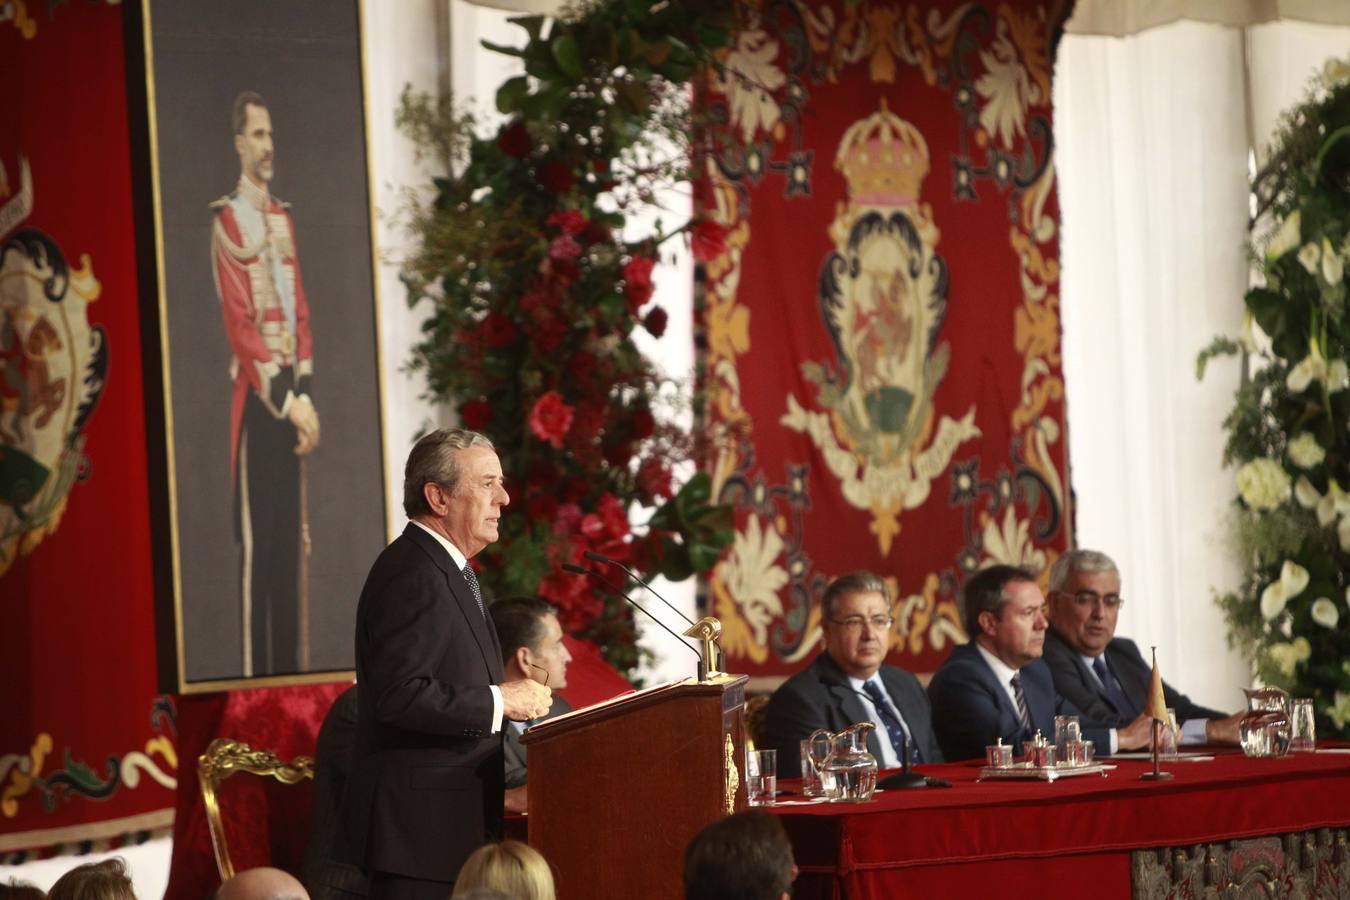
column 755, row 714
column 225, row 757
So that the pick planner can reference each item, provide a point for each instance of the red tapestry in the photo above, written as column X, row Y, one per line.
column 881, row 337
column 86, row 745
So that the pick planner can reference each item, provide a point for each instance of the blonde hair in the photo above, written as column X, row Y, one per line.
column 510, row 867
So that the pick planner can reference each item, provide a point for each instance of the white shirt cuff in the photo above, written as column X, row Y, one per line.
column 496, row 708
column 1193, row 731
column 1115, row 743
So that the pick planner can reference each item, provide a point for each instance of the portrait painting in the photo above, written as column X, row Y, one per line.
column 263, row 291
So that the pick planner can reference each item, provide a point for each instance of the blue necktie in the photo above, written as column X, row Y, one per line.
column 1113, row 691
column 891, row 720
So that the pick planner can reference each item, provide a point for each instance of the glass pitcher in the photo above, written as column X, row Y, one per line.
column 847, row 771
column 1265, row 729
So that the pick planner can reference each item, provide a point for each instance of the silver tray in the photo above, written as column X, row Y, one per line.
column 1028, row 772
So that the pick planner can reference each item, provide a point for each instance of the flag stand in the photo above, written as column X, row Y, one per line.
column 1157, row 704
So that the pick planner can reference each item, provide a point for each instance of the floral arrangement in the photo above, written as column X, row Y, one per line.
column 535, row 294
column 1287, row 432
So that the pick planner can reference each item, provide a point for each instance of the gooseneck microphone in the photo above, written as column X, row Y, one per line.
column 578, row 570
column 601, row 558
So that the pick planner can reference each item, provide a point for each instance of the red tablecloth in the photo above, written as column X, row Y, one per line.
column 1027, row 836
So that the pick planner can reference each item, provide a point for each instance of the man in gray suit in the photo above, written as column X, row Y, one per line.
column 1103, row 675
column 848, row 683
column 532, row 647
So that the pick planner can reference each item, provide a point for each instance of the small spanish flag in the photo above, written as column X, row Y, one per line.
column 1157, row 703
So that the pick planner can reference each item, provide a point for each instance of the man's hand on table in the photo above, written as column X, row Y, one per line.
column 1223, row 731
column 1138, row 735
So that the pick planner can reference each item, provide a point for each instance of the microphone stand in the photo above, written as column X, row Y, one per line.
column 578, row 570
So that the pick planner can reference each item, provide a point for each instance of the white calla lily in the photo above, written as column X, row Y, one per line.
column 1332, row 267
column 1325, row 613
column 1293, row 578
column 1338, row 376
column 1343, row 534
column 1305, row 452
column 1311, row 368
column 1286, row 238
column 1304, row 492
column 1272, row 601
column 1309, row 255
column 1335, row 503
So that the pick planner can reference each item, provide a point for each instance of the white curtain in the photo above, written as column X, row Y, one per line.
column 1153, row 141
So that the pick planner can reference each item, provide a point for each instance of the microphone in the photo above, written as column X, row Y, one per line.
column 578, row 570
column 601, row 558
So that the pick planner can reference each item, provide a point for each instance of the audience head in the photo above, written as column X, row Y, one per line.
column 262, row 883
column 1085, row 600
column 1005, row 614
column 484, row 894
column 742, row 857
column 531, row 639
column 106, row 880
column 855, row 620
column 21, row 890
column 511, row 867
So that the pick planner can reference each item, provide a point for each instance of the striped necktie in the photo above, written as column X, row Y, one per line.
column 1023, row 712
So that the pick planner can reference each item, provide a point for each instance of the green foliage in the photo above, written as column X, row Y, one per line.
column 1287, row 431
column 532, row 297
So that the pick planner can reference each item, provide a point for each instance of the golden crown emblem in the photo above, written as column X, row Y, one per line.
column 884, row 159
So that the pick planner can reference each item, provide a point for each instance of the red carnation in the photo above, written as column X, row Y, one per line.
column 498, row 330
column 475, row 414
column 556, row 176
column 707, row 240
column 656, row 321
column 569, row 221
column 550, row 419
column 644, row 423
column 637, row 277
column 514, row 140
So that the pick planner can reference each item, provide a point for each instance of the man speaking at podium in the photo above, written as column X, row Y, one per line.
column 426, row 783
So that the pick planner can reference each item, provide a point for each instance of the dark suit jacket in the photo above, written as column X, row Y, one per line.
column 327, row 876
column 820, row 696
column 517, row 760
column 426, row 782
column 1076, row 683
column 972, row 710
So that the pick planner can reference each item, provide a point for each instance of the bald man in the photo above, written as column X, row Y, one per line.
column 262, row 884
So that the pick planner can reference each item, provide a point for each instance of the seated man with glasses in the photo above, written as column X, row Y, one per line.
column 847, row 683
column 997, row 686
column 532, row 647
column 1103, row 675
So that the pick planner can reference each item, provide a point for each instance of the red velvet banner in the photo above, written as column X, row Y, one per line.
column 86, row 746
column 881, row 359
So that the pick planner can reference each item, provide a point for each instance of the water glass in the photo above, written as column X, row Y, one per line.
column 1304, row 726
column 1169, row 736
column 761, row 777
column 1067, row 730
column 815, row 783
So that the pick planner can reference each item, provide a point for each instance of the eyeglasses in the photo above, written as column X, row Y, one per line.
column 1084, row 599
column 541, row 669
column 856, row 623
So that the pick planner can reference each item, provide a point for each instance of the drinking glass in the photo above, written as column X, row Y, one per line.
column 1067, row 729
column 761, row 777
column 1305, row 727
column 1169, row 736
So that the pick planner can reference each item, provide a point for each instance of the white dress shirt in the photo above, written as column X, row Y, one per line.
column 890, row 759
column 1004, row 673
column 460, row 561
column 1192, row 730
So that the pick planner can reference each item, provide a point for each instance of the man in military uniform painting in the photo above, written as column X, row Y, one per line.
column 273, row 422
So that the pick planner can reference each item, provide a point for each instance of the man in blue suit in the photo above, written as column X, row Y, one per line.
column 997, row 686
column 1103, row 675
column 848, row 683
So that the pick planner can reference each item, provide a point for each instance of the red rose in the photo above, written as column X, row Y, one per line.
column 644, row 423
column 514, row 140
column 619, row 454
column 654, row 479
column 613, row 515
column 475, row 414
column 707, row 240
column 569, row 221
column 596, row 233
column 564, row 246
column 582, row 366
column 592, row 526
column 536, row 300
column 556, row 176
column 498, row 330
column 586, row 424
column 656, row 321
column 550, row 419
column 549, row 334
column 637, row 278
column 567, row 518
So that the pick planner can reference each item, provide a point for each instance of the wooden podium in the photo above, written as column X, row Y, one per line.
column 618, row 789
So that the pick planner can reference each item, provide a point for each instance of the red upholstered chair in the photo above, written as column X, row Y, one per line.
column 267, row 819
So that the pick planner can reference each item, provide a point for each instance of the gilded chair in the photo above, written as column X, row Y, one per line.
column 224, row 758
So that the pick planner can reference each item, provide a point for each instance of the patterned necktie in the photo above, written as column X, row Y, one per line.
column 472, row 579
column 1023, row 712
column 1113, row 690
column 894, row 728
